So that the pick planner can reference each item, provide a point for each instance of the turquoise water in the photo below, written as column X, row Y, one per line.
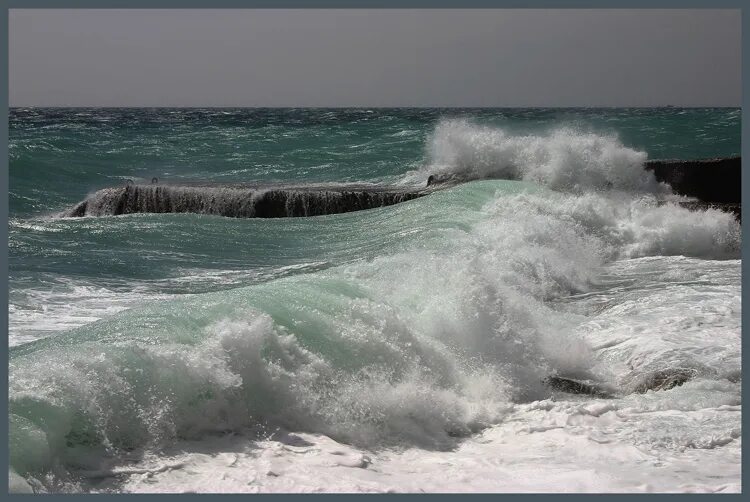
column 58, row 156
column 413, row 324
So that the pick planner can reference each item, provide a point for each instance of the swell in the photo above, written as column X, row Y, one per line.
column 427, row 340
column 423, row 344
column 458, row 151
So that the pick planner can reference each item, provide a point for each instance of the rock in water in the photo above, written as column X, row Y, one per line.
column 710, row 180
column 661, row 379
column 571, row 386
column 656, row 380
column 238, row 201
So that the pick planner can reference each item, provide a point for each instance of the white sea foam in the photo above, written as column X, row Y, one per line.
column 562, row 159
column 396, row 361
column 577, row 452
column 687, row 439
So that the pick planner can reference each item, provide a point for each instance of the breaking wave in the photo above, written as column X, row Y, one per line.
column 562, row 159
column 435, row 338
column 422, row 345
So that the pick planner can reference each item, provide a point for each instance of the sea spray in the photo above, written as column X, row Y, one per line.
column 562, row 159
column 418, row 346
column 413, row 325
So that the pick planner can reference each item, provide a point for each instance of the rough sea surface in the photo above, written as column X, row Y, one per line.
column 397, row 349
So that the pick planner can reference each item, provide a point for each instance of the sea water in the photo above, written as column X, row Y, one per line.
column 402, row 348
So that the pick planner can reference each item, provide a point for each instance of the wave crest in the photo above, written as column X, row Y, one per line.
column 564, row 159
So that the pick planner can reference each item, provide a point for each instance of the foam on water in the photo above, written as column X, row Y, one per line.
column 418, row 347
column 562, row 159
column 424, row 335
column 593, row 447
column 648, row 442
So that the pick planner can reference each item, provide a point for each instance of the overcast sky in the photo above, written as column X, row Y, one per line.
column 375, row 57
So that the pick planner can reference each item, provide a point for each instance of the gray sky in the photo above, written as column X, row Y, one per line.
column 375, row 57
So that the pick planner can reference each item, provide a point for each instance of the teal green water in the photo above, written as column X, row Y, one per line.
column 58, row 156
column 413, row 324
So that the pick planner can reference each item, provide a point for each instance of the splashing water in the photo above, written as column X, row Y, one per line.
column 408, row 332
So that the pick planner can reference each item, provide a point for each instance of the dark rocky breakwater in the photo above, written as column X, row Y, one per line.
column 711, row 182
column 714, row 182
column 238, row 201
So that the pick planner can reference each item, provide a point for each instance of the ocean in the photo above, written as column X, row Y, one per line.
column 404, row 348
